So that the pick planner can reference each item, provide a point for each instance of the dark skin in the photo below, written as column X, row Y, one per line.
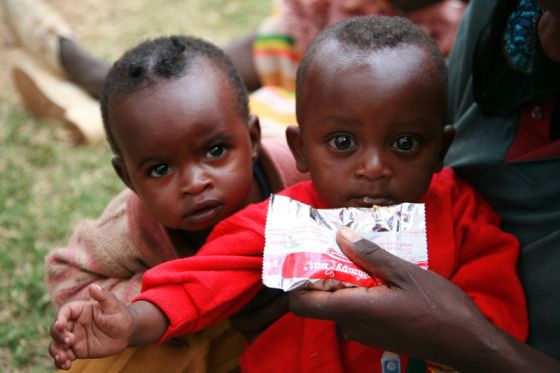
column 417, row 313
column 367, row 156
column 471, row 344
column 190, row 176
column 198, row 170
column 88, row 71
column 81, row 67
column 549, row 29
column 481, row 342
column 240, row 52
column 382, row 156
column 368, row 121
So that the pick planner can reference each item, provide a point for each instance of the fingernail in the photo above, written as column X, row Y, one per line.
column 349, row 234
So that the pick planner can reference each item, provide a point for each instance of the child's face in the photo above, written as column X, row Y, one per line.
column 185, row 149
column 371, row 127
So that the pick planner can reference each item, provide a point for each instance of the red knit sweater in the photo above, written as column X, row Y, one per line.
column 465, row 245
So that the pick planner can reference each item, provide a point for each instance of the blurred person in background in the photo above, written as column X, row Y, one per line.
column 61, row 79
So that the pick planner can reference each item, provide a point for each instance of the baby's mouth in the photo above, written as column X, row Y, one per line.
column 368, row 201
column 204, row 211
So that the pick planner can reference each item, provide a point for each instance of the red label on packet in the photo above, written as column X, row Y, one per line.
column 319, row 266
column 301, row 249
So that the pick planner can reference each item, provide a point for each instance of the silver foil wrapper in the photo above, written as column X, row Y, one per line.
column 301, row 249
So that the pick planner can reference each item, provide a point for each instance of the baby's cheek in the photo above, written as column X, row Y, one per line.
column 165, row 209
column 417, row 187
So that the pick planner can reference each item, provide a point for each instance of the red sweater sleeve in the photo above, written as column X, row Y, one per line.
column 485, row 261
column 218, row 281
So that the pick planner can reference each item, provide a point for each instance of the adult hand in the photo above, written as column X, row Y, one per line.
column 90, row 329
column 418, row 313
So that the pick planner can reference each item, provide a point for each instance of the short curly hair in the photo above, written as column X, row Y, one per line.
column 160, row 59
column 369, row 34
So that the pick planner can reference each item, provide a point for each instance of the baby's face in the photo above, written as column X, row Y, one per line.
column 371, row 126
column 187, row 151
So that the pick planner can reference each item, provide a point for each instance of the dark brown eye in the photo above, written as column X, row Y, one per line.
column 405, row 143
column 159, row 171
column 216, row 151
column 342, row 142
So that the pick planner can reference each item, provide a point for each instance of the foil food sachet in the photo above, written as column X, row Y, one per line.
column 301, row 250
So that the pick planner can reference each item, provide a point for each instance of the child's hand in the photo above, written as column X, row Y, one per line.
column 90, row 329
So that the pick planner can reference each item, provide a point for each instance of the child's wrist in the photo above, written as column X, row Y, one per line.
column 148, row 323
column 134, row 338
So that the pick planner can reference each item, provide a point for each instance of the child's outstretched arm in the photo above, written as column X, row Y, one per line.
column 102, row 326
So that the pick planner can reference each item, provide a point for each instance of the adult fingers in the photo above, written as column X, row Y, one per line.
column 336, row 305
column 372, row 258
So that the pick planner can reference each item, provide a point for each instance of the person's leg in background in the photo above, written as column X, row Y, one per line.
column 56, row 78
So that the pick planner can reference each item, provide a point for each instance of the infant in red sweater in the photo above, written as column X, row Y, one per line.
column 177, row 119
column 370, row 102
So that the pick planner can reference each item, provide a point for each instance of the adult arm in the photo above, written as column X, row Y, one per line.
column 418, row 313
column 240, row 51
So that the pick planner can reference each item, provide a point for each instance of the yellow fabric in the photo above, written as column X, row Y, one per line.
column 278, row 43
column 275, row 108
column 215, row 349
column 274, row 53
column 278, row 46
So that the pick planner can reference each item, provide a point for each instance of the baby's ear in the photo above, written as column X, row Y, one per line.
column 254, row 128
column 295, row 142
column 448, row 135
column 120, row 168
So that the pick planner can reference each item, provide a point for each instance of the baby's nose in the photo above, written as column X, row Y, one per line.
column 373, row 166
column 193, row 180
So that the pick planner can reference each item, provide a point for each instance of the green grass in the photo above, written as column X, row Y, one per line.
column 47, row 185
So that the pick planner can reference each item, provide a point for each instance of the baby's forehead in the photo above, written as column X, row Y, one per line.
column 346, row 84
column 336, row 54
column 207, row 97
column 199, row 80
column 336, row 69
